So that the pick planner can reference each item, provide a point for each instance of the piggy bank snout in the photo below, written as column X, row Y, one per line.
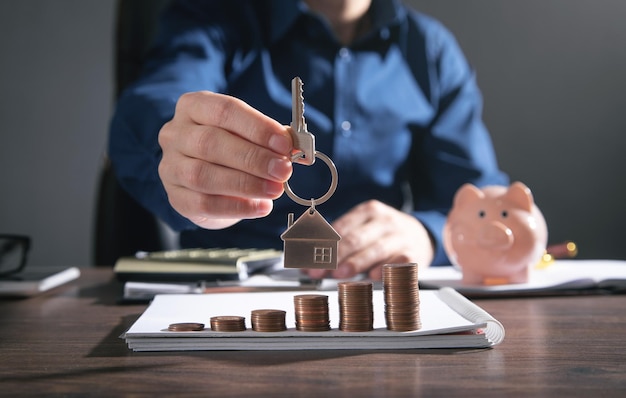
column 495, row 235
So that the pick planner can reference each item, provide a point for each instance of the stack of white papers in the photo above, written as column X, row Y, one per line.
column 561, row 276
column 448, row 319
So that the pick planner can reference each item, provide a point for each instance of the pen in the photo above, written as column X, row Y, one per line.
column 243, row 287
column 567, row 249
column 562, row 250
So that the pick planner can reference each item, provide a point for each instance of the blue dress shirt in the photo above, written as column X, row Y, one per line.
column 398, row 110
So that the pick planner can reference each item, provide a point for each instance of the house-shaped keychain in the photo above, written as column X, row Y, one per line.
column 310, row 242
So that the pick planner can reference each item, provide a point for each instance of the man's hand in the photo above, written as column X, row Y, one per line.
column 373, row 234
column 223, row 161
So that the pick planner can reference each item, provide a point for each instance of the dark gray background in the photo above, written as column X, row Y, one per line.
column 551, row 71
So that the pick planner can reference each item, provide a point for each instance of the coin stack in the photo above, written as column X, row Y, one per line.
column 228, row 323
column 401, row 292
column 356, row 311
column 186, row 327
column 311, row 312
column 268, row 320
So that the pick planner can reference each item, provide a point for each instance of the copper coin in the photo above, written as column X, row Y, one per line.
column 186, row 327
column 268, row 320
column 355, row 306
column 311, row 312
column 401, row 295
column 228, row 323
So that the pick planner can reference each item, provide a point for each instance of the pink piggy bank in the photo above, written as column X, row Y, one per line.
column 495, row 234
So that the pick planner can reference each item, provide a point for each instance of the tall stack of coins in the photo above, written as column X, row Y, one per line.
column 268, row 320
column 401, row 292
column 311, row 312
column 356, row 311
column 228, row 323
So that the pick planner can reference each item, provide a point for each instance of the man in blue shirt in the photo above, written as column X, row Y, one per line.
column 201, row 138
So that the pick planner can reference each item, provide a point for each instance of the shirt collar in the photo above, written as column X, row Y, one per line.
column 283, row 14
column 386, row 13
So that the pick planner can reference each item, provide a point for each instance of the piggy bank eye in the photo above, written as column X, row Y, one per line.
column 505, row 214
column 481, row 214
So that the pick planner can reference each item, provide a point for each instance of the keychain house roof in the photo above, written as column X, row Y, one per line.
column 310, row 242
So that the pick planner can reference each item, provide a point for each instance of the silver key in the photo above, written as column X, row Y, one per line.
column 310, row 241
column 303, row 141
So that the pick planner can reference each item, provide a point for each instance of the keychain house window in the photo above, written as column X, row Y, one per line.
column 322, row 255
column 310, row 242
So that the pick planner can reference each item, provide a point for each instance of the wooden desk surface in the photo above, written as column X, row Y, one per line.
column 66, row 342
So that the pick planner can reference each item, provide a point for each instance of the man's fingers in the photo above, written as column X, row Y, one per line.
column 215, row 145
column 362, row 226
column 354, row 218
column 203, row 177
column 214, row 211
column 232, row 114
column 222, row 160
column 375, row 252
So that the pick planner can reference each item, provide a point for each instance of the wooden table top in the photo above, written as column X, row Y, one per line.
column 67, row 342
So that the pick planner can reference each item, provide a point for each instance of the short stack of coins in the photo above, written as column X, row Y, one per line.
column 356, row 311
column 228, row 323
column 186, row 327
column 268, row 320
column 401, row 292
column 311, row 312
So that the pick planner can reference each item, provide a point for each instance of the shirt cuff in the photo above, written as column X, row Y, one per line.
column 434, row 222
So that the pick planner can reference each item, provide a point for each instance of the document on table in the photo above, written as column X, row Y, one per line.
column 36, row 280
column 562, row 276
column 448, row 319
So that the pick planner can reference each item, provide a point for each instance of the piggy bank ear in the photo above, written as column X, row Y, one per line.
column 520, row 195
column 468, row 193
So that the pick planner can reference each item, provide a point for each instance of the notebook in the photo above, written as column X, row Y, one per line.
column 448, row 319
column 36, row 280
column 193, row 265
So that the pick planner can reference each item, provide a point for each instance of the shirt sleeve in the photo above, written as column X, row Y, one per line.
column 456, row 147
column 187, row 56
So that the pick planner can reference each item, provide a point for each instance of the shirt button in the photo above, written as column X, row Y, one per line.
column 384, row 34
column 344, row 53
column 346, row 127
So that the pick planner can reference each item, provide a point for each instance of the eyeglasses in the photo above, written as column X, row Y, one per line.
column 13, row 253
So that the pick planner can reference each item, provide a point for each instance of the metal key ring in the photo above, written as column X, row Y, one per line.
column 327, row 195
